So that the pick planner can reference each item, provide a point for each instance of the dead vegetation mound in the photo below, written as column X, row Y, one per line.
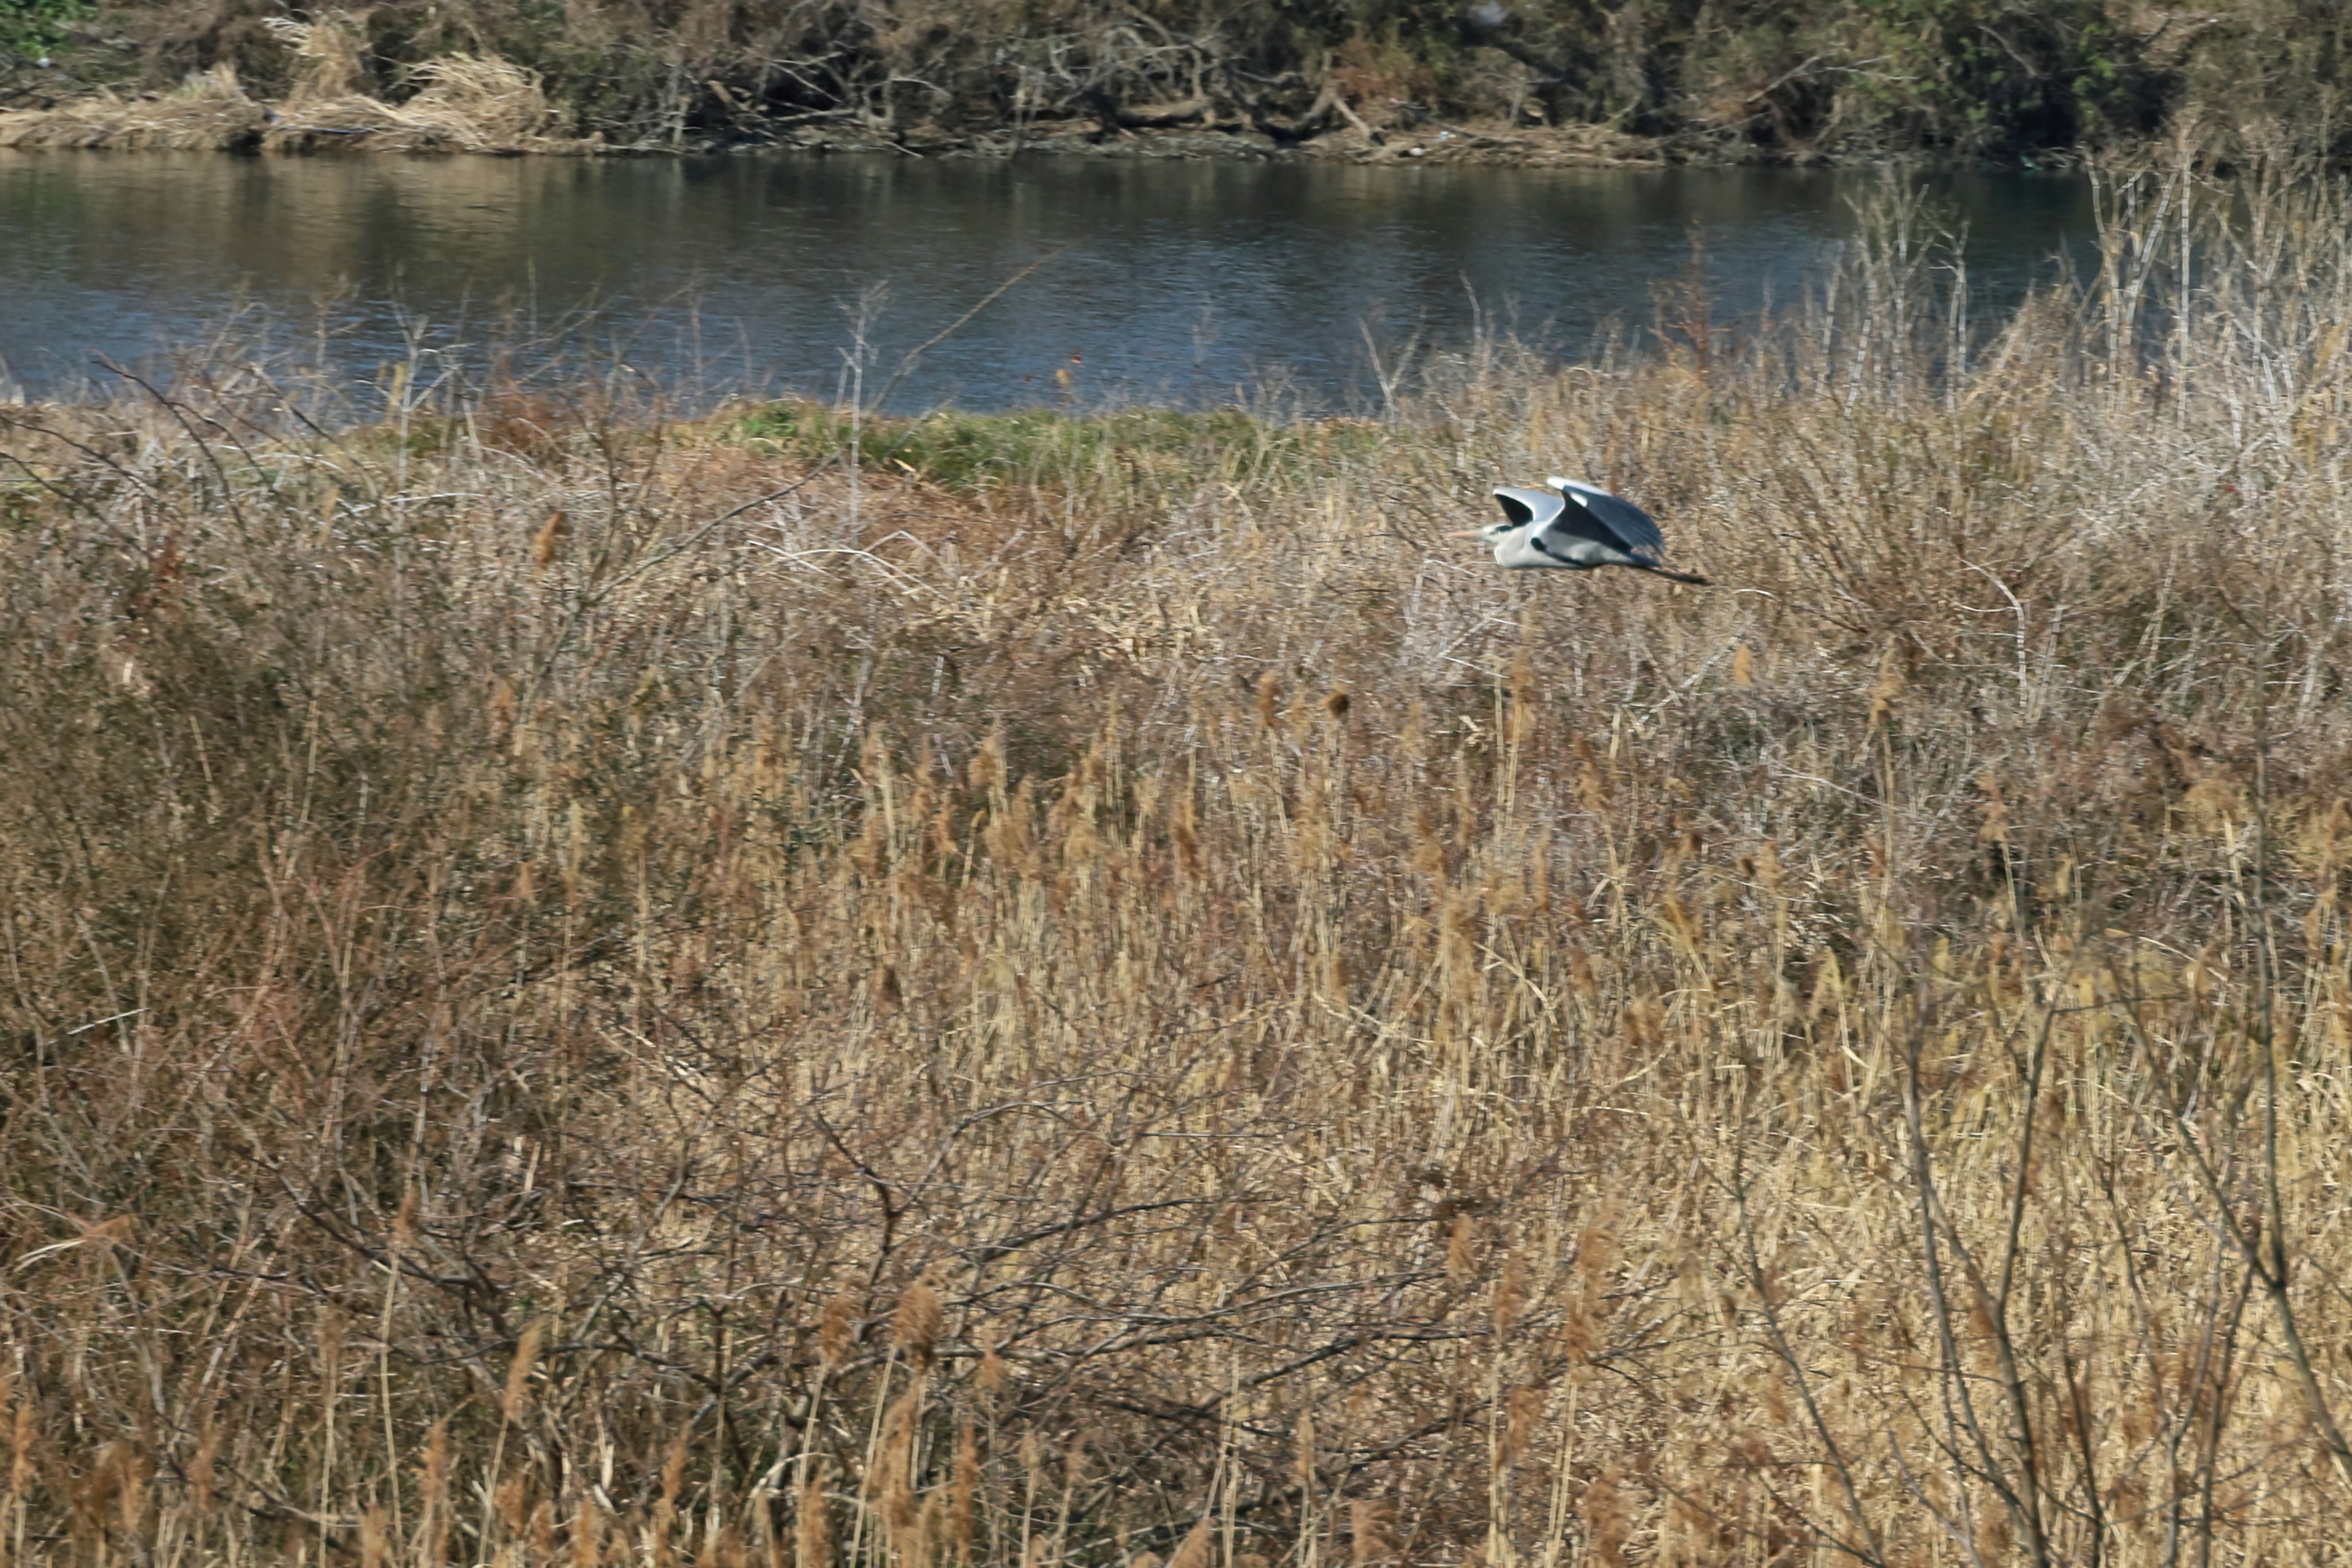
column 463, row 103
column 206, row 112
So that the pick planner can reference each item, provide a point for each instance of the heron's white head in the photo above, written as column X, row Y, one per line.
column 1516, row 515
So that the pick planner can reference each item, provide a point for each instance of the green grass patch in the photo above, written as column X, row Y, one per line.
column 968, row 451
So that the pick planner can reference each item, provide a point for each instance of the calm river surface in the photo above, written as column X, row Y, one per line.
column 1166, row 280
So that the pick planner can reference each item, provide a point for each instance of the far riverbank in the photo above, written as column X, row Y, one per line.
column 1538, row 84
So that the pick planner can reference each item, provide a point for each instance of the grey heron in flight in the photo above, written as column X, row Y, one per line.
column 1577, row 527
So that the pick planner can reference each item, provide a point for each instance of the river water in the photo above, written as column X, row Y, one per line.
column 1158, row 280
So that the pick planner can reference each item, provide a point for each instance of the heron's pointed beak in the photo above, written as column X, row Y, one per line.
column 1466, row 533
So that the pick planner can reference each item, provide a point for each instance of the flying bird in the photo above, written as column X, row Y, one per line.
column 1574, row 526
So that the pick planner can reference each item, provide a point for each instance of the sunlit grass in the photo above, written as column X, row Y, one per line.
column 1046, row 989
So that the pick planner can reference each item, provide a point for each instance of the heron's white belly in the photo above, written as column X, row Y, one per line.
column 1520, row 555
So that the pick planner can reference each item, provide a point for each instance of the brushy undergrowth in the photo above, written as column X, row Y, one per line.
column 1967, row 78
column 1054, row 991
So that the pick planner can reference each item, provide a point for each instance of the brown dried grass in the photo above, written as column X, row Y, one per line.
column 903, row 1020
column 208, row 113
column 467, row 104
column 463, row 103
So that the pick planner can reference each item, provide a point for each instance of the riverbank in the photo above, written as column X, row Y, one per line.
column 1675, row 80
column 1489, row 144
column 488, row 106
column 805, row 987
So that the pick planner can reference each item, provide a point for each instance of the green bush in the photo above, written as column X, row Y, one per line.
column 33, row 28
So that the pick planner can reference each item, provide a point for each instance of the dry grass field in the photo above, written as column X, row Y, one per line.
column 801, row 988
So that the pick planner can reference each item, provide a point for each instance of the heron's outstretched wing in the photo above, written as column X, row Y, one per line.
column 1524, row 506
column 1634, row 530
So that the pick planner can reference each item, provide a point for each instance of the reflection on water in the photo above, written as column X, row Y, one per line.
column 1167, row 279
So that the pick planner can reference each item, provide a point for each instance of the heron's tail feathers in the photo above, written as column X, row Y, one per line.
column 1678, row 576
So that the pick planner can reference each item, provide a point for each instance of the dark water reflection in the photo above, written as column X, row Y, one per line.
column 1171, row 281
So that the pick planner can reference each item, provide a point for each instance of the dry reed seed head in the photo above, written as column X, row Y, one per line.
column 672, row 1472
column 914, row 1325
column 1523, row 1412
column 1608, row 1515
column 1996, row 1532
column 1581, row 979
column 1511, row 1298
column 772, row 1545
column 512, row 1504
column 1461, row 1255
column 435, row 1478
column 374, row 1547
column 404, row 1223
column 1579, row 1338
column 894, row 1481
column 1887, row 686
column 922, row 1543
column 548, row 540
column 330, row 1341
column 24, row 1440
column 100, row 1240
column 1302, row 1450
column 838, row 1331
column 995, row 1371
column 1691, row 1533
column 518, row 1369
column 722, row 1544
column 1371, row 1540
column 1269, row 700
column 138, row 1486
column 1591, row 786
column 1994, row 810
column 1144, row 1560
column 986, row 769
column 963, row 1493
column 585, row 1546
column 1331, row 975
column 1743, row 666
column 434, row 1468
column 1183, row 832
column 92, row 1495
column 811, row 1524
column 1197, row 1550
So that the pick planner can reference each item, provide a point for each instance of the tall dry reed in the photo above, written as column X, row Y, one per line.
column 1087, row 990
